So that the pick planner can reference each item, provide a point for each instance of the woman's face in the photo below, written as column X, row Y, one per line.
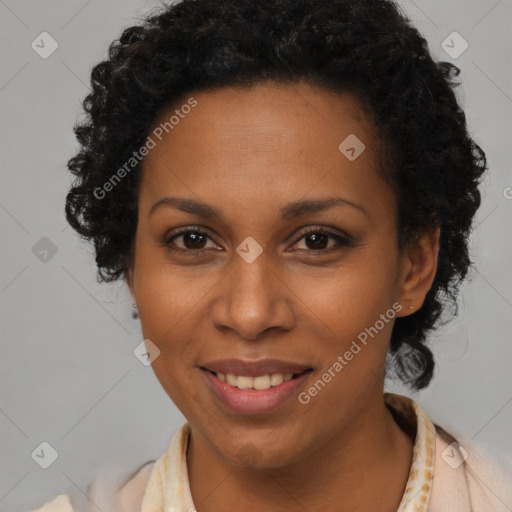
column 298, row 264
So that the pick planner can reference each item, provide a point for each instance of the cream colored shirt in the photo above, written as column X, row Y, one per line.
column 445, row 475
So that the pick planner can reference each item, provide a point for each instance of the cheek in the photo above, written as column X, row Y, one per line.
column 167, row 318
column 351, row 339
column 166, row 293
column 353, row 296
column 166, row 304
column 354, row 319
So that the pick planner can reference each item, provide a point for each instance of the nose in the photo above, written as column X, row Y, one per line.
column 252, row 299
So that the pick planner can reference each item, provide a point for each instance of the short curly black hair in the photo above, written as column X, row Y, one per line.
column 366, row 47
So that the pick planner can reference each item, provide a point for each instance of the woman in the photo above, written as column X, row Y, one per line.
column 287, row 188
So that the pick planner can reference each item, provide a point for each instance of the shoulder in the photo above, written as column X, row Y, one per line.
column 130, row 494
column 469, row 476
column 61, row 503
column 121, row 493
column 114, row 489
column 110, row 491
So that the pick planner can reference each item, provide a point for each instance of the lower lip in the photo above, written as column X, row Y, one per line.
column 254, row 401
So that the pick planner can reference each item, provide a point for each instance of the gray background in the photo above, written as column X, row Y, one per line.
column 68, row 373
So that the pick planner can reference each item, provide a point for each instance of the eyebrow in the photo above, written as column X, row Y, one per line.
column 288, row 212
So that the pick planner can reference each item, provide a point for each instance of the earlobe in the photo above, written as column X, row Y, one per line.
column 419, row 266
column 129, row 282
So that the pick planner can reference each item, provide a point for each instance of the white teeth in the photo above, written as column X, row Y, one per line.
column 260, row 382
column 276, row 379
column 231, row 379
column 243, row 382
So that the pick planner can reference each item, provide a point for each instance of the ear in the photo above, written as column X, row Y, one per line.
column 418, row 269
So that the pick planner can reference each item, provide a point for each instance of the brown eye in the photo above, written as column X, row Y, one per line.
column 191, row 240
column 317, row 240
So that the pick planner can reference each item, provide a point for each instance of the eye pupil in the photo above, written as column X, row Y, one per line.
column 193, row 238
column 319, row 240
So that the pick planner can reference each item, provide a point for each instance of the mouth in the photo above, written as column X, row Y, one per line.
column 260, row 382
column 253, row 394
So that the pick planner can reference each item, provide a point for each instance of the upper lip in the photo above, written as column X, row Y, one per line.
column 254, row 368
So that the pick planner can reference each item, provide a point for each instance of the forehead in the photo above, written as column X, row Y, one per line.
column 268, row 114
column 261, row 143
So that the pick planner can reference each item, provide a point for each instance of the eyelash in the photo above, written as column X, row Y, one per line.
column 342, row 240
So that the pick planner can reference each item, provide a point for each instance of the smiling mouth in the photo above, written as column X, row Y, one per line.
column 261, row 382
